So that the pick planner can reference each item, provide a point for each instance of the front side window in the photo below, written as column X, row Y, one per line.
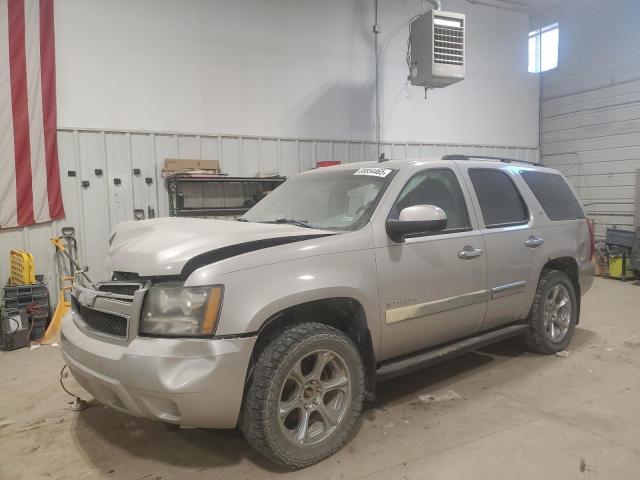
column 500, row 201
column 543, row 48
column 438, row 187
column 340, row 200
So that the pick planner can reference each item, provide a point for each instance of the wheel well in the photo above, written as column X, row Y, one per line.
column 569, row 266
column 344, row 314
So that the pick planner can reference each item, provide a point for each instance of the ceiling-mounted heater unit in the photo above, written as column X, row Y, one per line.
column 436, row 49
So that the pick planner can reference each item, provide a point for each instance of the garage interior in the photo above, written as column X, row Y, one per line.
column 259, row 91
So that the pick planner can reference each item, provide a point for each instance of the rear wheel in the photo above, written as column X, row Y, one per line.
column 553, row 315
column 304, row 396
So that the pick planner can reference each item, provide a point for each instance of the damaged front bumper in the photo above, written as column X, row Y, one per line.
column 191, row 382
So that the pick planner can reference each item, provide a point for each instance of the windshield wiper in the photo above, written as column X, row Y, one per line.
column 240, row 219
column 298, row 223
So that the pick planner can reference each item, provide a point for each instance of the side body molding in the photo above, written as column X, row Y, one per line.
column 409, row 312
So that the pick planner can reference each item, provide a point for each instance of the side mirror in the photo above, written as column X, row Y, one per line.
column 416, row 219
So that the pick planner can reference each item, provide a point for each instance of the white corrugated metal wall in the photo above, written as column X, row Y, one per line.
column 95, row 209
column 590, row 106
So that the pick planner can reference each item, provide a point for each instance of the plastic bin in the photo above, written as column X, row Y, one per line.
column 22, row 268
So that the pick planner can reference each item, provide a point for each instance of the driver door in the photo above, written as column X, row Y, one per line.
column 433, row 286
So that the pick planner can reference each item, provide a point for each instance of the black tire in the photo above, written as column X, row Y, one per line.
column 537, row 339
column 259, row 420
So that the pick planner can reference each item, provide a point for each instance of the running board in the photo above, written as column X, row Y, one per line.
column 394, row 368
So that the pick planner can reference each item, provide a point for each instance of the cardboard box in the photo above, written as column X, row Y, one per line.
column 173, row 165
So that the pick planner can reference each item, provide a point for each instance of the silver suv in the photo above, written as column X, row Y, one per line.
column 281, row 323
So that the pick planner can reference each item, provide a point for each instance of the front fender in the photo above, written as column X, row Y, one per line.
column 254, row 295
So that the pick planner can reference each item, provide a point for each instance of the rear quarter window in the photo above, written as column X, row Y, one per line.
column 555, row 196
column 500, row 200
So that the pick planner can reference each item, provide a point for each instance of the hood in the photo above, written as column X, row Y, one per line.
column 177, row 246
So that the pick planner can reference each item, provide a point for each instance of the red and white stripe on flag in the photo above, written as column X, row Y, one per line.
column 29, row 172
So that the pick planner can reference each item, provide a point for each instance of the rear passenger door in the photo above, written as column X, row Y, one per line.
column 510, row 240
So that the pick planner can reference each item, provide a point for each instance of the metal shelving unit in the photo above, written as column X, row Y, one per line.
column 215, row 195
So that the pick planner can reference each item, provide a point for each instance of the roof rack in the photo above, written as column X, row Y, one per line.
column 457, row 156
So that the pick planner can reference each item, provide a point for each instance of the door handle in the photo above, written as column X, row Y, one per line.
column 468, row 252
column 533, row 241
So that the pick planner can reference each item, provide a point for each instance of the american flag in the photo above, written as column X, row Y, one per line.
column 29, row 172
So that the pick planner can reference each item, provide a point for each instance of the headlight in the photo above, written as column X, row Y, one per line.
column 172, row 310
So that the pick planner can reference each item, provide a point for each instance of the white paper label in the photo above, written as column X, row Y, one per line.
column 373, row 172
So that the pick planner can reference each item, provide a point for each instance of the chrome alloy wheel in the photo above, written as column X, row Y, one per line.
column 314, row 397
column 557, row 313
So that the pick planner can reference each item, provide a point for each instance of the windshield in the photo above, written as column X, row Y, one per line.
column 330, row 200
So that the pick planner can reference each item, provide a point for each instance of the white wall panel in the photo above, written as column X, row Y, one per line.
column 231, row 156
column 165, row 146
column 356, row 152
column 250, row 148
column 143, row 151
column 290, row 155
column 413, row 151
column 270, row 155
column 296, row 69
column 591, row 106
column 324, row 151
column 118, row 159
column 188, row 147
column 307, row 154
column 95, row 205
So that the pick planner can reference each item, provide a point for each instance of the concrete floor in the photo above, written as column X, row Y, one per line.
column 518, row 416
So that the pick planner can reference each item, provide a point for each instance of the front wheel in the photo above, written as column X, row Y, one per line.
column 304, row 395
column 553, row 315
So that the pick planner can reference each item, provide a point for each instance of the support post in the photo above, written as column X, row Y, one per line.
column 636, row 202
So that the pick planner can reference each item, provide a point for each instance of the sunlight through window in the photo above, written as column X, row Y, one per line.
column 543, row 48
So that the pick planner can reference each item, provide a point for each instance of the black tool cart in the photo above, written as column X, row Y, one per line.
column 25, row 309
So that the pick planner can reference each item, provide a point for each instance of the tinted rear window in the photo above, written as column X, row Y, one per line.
column 555, row 196
column 500, row 201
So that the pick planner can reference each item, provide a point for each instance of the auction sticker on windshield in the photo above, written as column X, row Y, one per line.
column 373, row 172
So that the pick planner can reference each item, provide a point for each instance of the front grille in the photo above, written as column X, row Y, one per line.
column 125, row 277
column 104, row 322
column 120, row 289
column 448, row 45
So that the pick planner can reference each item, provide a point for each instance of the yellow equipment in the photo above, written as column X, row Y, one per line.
column 53, row 330
column 66, row 283
column 620, row 267
column 23, row 271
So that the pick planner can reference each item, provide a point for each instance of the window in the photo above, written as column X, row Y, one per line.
column 543, row 48
column 340, row 200
column 500, row 201
column 437, row 187
column 555, row 196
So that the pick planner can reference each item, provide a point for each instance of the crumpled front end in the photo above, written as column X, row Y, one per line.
column 191, row 382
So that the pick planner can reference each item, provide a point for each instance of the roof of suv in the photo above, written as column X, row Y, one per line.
column 407, row 162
